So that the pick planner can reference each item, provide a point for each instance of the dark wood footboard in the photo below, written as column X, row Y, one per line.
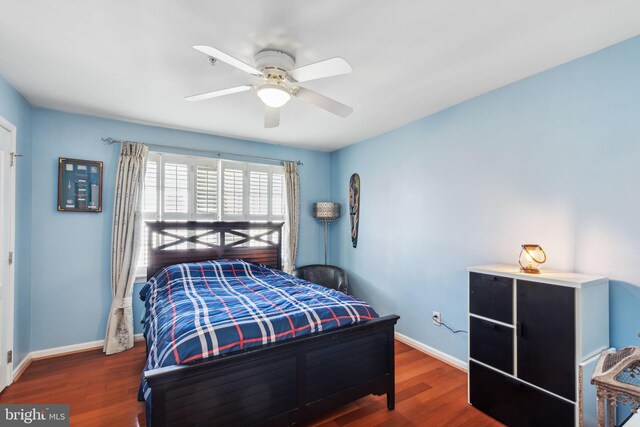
column 279, row 384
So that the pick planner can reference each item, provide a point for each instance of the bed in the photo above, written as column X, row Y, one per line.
column 245, row 378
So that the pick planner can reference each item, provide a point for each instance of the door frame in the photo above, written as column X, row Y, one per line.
column 7, row 334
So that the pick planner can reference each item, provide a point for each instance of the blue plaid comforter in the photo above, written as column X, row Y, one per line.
column 200, row 310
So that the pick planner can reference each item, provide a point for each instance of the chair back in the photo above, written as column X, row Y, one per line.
column 328, row 276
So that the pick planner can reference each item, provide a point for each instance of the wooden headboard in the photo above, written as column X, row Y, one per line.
column 174, row 242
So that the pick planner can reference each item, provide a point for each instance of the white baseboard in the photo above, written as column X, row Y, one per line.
column 73, row 348
column 67, row 349
column 447, row 358
column 60, row 351
column 22, row 366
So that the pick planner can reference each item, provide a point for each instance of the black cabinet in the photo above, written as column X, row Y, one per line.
column 530, row 337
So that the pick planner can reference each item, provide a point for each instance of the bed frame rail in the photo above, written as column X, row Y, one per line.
column 288, row 382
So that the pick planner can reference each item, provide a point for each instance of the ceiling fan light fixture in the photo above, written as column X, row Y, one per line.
column 274, row 95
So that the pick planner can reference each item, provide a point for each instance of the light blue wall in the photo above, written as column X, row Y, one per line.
column 70, row 253
column 16, row 109
column 553, row 159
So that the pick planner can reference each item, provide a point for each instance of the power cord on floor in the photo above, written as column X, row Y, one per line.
column 435, row 319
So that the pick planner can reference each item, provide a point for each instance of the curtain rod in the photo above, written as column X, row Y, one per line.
column 111, row 141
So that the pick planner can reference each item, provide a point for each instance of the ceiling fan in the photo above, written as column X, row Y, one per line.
column 280, row 81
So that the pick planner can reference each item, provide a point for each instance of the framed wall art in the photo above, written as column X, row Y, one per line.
column 79, row 185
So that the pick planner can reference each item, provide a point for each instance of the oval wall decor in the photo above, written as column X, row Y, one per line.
column 354, row 207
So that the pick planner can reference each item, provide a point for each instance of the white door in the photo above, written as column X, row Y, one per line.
column 6, row 251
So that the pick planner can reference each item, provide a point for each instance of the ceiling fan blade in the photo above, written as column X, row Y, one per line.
column 218, row 54
column 217, row 93
column 327, row 68
column 271, row 117
column 323, row 102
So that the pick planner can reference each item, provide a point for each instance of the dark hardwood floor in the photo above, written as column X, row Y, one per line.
column 102, row 391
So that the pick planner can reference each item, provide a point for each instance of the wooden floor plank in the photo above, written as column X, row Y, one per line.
column 102, row 391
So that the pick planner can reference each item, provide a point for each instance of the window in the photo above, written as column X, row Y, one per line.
column 191, row 188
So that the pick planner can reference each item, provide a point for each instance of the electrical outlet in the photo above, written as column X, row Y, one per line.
column 436, row 318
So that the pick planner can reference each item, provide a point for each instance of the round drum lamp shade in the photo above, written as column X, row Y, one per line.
column 326, row 211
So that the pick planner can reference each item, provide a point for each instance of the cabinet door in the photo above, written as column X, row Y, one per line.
column 491, row 343
column 514, row 403
column 546, row 337
column 491, row 296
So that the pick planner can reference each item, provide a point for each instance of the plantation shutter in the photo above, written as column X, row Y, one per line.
column 277, row 196
column 206, row 180
column 233, row 194
column 150, row 202
column 150, row 195
column 258, row 194
column 176, row 189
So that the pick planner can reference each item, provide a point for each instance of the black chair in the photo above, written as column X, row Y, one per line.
column 328, row 276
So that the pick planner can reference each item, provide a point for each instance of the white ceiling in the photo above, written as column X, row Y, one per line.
column 132, row 59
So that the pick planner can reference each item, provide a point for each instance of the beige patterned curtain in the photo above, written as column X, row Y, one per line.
column 125, row 244
column 292, row 182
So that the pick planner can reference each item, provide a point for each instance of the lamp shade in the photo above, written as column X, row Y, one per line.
column 275, row 96
column 326, row 211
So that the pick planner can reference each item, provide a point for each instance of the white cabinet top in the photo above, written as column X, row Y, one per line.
column 574, row 280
